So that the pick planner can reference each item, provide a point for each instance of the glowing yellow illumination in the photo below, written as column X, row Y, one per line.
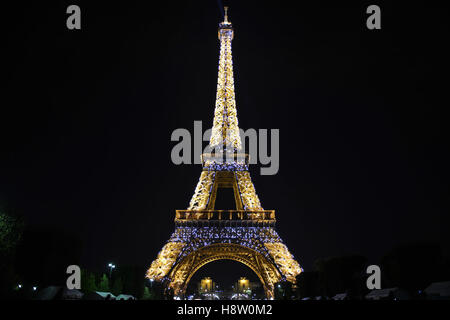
column 225, row 130
column 204, row 234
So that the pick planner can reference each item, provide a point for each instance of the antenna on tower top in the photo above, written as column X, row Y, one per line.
column 226, row 14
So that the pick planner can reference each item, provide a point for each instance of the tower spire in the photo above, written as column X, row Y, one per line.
column 226, row 14
column 225, row 130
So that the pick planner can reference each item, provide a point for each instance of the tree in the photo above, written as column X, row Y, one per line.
column 283, row 290
column 132, row 279
column 147, row 295
column 157, row 290
column 49, row 250
column 87, row 281
column 413, row 266
column 11, row 230
column 104, row 284
column 339, row 274
column 117, row 286
column 308, row 284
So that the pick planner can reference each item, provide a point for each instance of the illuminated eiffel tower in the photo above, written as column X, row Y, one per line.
column 202, row 233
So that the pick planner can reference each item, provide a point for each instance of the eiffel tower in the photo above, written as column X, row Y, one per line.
column 202, row 233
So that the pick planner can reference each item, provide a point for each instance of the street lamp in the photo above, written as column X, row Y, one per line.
column 111, row 267
column 151, row 284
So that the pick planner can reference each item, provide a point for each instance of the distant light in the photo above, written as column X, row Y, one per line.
column 34, row 288
column 110, row 265
column 19, row 286
column 151, row 280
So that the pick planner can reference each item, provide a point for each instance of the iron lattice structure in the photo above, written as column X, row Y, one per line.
column 202, row 233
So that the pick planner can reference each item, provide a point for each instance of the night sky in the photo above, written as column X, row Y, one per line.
column 86, row 119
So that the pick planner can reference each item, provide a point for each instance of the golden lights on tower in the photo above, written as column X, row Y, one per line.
column 204, row 234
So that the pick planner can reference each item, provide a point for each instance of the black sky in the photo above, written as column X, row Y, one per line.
column 86, row 118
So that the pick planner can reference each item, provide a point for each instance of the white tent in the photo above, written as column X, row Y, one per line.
column 340, row 296
column 99, row 295
column 48, row 293
column 71, row 294
column 439, row 289
column 59, row 293
column 125, row 297
column 384, row 294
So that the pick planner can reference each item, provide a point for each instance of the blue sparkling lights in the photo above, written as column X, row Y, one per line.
column 225, row 166
column 250, row 237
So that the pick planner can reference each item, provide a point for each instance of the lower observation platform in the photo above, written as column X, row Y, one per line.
column 225, row 218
